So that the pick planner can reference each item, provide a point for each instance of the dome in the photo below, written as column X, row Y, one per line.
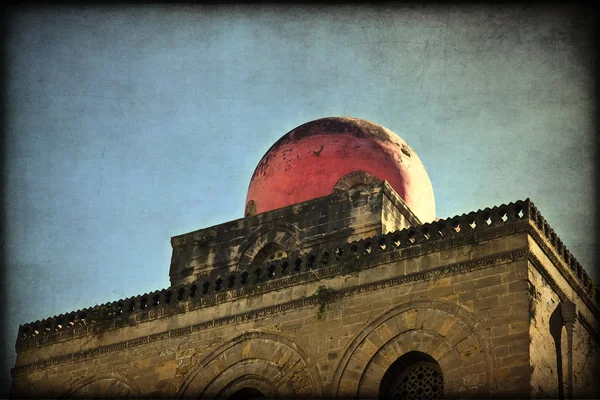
column 307, row 163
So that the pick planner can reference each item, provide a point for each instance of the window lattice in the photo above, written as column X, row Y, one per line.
column 420, row 381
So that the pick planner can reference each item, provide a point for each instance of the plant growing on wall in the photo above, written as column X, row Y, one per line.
column 324, row 295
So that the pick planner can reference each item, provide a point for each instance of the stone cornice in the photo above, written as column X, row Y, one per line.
column 559, row 254
column 539, row 266
column 400, row 204
column 537, row 263
column 588, row 326
column 435, row 273
column 205, row 237
column 411, row 242
column 356, row 263
column 571, row 271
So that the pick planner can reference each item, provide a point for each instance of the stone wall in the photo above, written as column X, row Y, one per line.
column 549, row 347
column 470, row 312
column 392, row 219
column 343, row 216
column 475, row 292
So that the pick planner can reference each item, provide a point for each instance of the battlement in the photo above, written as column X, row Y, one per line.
column 212, row 288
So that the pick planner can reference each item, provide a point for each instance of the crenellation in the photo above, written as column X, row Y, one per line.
column 362, row 246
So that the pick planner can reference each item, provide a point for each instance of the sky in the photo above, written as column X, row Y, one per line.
column 126, row 126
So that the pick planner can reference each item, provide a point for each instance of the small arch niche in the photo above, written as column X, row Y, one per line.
column 354, row 180
column 247, row 394
column 413, row 376
column 268, row 253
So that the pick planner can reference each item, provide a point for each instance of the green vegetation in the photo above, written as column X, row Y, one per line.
column 323, row 295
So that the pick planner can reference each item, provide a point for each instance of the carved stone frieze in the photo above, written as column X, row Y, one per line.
column 439, row 272
column 415, row 241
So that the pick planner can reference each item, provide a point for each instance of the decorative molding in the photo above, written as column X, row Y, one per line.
column 411, row 242
column 356, row 178
column 276, row 337
column 537, row 263
column 588, row 327
column 365, row 261
column 439, row 272
column 122, row 378
column 561, row 267
column 292, row 237
column 450, row 308
column 559, row 254
column 564, row 297
column 469, row 321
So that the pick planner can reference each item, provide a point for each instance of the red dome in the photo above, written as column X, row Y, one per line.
column 308, row 161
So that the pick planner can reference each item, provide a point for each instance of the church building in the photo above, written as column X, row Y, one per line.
column 338, row 282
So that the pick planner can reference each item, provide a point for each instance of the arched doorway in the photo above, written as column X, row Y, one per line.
column 247, row 394
column 413, row 376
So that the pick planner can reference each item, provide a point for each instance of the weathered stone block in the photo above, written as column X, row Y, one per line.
column 482, row 310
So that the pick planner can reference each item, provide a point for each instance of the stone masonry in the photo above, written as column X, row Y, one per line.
column 320, row 300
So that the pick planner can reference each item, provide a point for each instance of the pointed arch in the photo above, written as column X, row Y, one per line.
column 285, row 235
column 355, row 178
column 275, row 361
column 445, row 331
column 109, row 385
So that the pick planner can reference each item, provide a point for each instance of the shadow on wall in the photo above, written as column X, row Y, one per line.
column 556, row 325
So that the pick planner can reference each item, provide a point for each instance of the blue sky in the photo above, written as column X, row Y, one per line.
column 127, row 126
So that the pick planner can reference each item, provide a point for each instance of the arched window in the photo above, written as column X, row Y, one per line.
column 247, row 394
column 270, row 252
column 355, row 179
column 413, row 376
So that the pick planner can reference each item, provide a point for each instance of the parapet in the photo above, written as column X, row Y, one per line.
column 214, row 287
